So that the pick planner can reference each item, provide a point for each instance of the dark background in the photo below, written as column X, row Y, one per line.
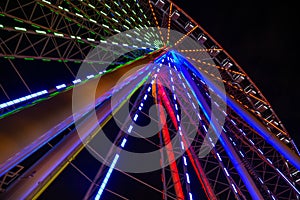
column 263, row 40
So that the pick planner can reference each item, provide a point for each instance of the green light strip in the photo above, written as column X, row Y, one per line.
column 28, row 58
column 35, row 26
column 18, row 20
column 71, row 86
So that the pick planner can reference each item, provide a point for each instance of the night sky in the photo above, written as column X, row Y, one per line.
column 263, row 40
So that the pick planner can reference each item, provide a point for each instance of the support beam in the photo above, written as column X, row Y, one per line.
column 236, row 161
column 170, row 153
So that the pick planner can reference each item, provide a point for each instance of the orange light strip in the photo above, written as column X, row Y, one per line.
column 219, row 67
column 275, row 126
column 258, row 99
column 156, row 22
column 169, row 23
column 183, row 37
column 199, row 50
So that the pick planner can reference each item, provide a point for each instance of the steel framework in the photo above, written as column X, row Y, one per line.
column 43, row 43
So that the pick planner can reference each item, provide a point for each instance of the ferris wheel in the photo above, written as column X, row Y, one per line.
column 130, row 100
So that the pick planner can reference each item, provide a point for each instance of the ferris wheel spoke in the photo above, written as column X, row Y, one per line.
column 199, row 50
column 185, row 36
column 156, row 22
column 169, row 24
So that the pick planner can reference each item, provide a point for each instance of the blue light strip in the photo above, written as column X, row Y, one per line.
column 260, row 151
column 241, row 153
column 250, row 185
column 293, row 158
column 102, row 187
column 234, row 187
column 108, row 174
column 205, row 129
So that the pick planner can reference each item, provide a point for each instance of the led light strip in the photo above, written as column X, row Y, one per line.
column 170, row 60
column 22, row 99
column 107, row 176
column 260, row 151
column 233, row 185
column 123, row 143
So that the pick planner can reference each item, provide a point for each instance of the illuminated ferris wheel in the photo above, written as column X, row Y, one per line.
column 130, row 100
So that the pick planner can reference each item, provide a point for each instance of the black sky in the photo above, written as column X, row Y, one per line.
column 262, row 38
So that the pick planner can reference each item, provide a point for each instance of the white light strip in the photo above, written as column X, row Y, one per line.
column 233, row 186
column 76, row 81
column 123, row 142
column 187, row 178
column 182, row 146
column 219, row 157
column 130, row 129
column 184, row 161
column 241, row 154
column 233, row 122
column 61, row 86
column 21, row 99
column 226, row 171
column 204, row 128
column 251, row 141
column 288, row 181
column 135, row 117
column 273, row 197
column 90, row 76
column 191, row 196
column 260, row 151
